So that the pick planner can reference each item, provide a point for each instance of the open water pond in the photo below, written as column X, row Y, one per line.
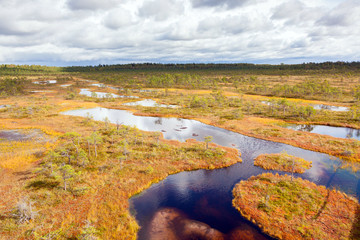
column 149, row 103
column 41, row 91
column 98, row 85
column 89, row 93
column 330, row 107
column 46, row 82
column 205, row 195
column 339, row 132
column 319, row 107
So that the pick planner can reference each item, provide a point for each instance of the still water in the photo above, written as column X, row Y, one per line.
column 149, row 103
column 89, row 93
column 319, row 107
column 46, row 82
column 205, row 195
column 330, row 107
column 339, row 132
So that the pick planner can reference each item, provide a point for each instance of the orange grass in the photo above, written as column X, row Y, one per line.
column 297, row 209
column 264, row 129
column 101, row 196
column 98, row 196
column 282, row 162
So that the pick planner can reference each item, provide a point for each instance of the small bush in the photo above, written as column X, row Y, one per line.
column 24, row 211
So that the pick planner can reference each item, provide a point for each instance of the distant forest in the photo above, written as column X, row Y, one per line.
column 219, row 66
column 304, row 68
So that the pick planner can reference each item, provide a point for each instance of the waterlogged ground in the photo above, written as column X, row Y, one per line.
column 204, row 195
column 339, row 132
column 88, row 93
column 200, row 201
column 330, row 108
column 149, row 103
column 21, row 135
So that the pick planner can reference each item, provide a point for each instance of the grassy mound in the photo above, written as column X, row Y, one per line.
column 282, row 162
column 297, row 209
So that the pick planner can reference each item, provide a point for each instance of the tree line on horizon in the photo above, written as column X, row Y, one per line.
column 332, row 67
column 352, row 66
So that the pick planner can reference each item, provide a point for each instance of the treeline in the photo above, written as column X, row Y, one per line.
column 13, row 70
column 260, row 68
column 248, row 68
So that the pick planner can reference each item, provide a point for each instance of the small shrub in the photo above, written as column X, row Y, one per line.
column 89, row 232
column 149, row 170
column 24, row 211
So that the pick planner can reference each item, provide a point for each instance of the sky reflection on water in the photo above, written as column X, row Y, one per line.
column 205, row 195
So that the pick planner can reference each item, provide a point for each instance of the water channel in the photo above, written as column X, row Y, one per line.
column 205, row 195
column 339, row 132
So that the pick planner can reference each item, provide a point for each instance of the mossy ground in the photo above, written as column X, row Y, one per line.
column 126, row 161
column 297, row 209
column 99, row 193
column 282, row 162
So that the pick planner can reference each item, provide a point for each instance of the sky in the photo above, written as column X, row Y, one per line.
column 92, row 32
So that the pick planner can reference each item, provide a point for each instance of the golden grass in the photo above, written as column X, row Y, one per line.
column 282, row 162
column 105, row 202
column 15, row 155
column 297, row 209
column 267, row 121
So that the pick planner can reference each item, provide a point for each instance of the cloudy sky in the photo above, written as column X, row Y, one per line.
column 83, row 32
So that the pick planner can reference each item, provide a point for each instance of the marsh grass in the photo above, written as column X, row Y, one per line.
column 19, row 154
column 128, row 161
column 288, row 208
column 282, row 162
column 99, row 188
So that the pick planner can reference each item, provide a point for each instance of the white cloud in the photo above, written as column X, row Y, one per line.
column 177, row 30
column 215, row 3
column 161, row 10
column 91, row 4
column 346, row 14
column 118, row 18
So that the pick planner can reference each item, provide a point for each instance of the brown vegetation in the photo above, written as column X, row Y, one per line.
column 79, row 189
column 297, row 209
column 83, row 191
column 282, row 162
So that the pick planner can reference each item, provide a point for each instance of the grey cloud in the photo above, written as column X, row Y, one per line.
column 215, row 3
column 296, row 13
column 161, row 9
column 230, row 25
column 93, row 37
column 211, row 27
column 8, row 31
column 118, row 18
column 299, row 44
column 236, row 24
column 176, row 30
column 288, row 9
column 91, row 4
column 15, row 27
column 336, row 20
column 346, row 14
